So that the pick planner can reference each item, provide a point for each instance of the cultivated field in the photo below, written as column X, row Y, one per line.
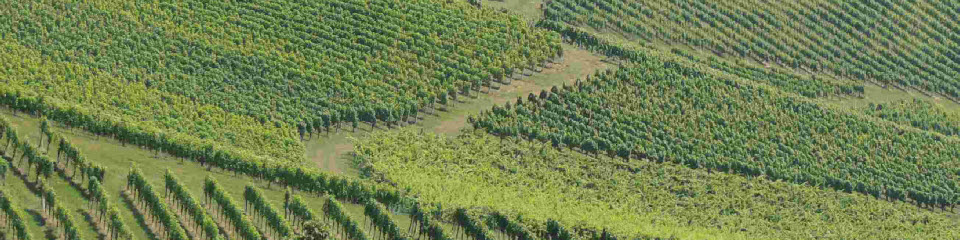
column 479, row 120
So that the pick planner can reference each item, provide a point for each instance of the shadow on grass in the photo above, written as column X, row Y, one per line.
column 139, row 216
column 36, row 217
column 93, row 222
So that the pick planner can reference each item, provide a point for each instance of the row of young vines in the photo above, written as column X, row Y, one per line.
column 190, row 209
column 12, row 217
column 908, row 43
column 530, row 190
column 265, row 214
column 226, row 210
column 214, row 155
column 315, row 64
column 936, row 190
column 106, row 211
column 154, row 206
column 63, row 219
column 348, row 226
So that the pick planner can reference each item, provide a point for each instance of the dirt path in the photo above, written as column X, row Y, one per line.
column 332, row 153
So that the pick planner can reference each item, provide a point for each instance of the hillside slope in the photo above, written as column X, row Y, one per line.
column 907, row 43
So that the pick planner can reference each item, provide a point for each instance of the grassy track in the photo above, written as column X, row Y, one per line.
column 331, row 152
column 527, row 8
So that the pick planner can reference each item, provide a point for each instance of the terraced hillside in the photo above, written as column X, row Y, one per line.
column 196, row 73
column 94, row 184
column 729, row 126
column 918, row 113
column 594, row 120
column 631, row 199
column 907, row 43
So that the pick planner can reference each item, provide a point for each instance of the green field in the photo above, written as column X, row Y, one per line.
column 731, row 126
column 332, row 151
column 119, row 159
column 255, row 83
column 632, row 198
column 903, row 43
column 481, row 120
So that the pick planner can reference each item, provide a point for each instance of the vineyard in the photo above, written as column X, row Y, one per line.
column 808, row 86
column 918, row 113
column 726, row 126
column 642, row 199
column 198, row 74
column 365, row 211
column 174, row 212
column 464, row 120
column 906, row 43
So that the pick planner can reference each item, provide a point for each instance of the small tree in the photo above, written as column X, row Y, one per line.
column 314, row 230
column 352, row 117
column 326, row 121
column 335, row 118
column 44, row 127
column 3, row 173
column 589, row 146
column 302, row 129
column 443, row 98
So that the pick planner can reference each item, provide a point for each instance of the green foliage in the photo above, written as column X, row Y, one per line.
column 471, row 224
column 701, row 121
column 531, row 190
column 918, row 113
column 298, row 210
column 786, row 81
column 314, row 230
column 192, row 71
column 116, row 225
column 512, row 226
column 100, row 203
column 380, row 217
column 213, row 194
column 185, row 203
column 14, row 218
column 65, row 220
column 71, row 157
column 88, row 170
column 334, row 210
column 144, row 194
column 61, row 216
column 808, row 86
column 908, row 43
column 35, row 158
column 263, row 211
column 426, row 225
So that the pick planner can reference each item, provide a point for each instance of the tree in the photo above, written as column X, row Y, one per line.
column 301, row 129
column 352, row 116
column 3, row 172
column 465, row 89
column 326, row 121
column 414, row 111
column 443, row 98
column 589, row 146
column 335, row 118
column 44, row 127
column 314, row 230
column 452, row 91
column 623, row 151
column 372, row 117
